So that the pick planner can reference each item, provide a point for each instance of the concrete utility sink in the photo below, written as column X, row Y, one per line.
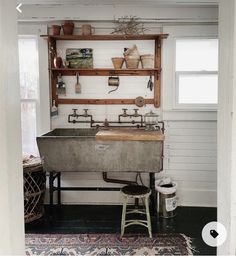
column 72, row 132
column 78, row 150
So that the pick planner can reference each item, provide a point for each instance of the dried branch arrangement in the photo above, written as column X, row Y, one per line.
column 128, row 25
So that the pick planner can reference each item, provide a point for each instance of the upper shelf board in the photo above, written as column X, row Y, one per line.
column 107, row 37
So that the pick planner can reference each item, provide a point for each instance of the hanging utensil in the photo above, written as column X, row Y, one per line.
column 150, row 83
column 113, row 81
column 61, row 86
column 77, row 85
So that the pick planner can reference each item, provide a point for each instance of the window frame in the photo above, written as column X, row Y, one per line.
column 35, row 100
column 190, row 107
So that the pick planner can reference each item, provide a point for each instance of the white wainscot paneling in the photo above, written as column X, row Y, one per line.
column 190, row 159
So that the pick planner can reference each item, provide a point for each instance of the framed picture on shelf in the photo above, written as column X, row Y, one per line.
column 80, row 57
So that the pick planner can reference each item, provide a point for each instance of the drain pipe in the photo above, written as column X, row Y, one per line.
column 117, row 181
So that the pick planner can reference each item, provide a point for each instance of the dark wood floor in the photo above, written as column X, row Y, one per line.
column 106, row 219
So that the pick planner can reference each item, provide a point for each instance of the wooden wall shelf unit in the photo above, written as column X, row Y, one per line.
column 156, row 71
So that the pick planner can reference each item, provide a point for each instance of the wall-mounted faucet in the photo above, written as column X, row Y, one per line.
column 125, row 114
column 136, row 114
column 75, row 117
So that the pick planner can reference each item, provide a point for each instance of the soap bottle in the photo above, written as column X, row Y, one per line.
column 54, row 109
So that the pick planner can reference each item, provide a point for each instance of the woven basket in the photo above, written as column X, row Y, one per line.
column 132, row 62
column 34, row 190
column 147, row 61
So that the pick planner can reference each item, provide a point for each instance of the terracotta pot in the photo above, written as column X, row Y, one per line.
column 68, row 28
column 87, row 30
column 57, row 61
column 56, row 30
column 117, row 62
column 132, row 62
column 147, row 61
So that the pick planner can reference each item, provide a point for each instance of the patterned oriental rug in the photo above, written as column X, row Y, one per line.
column 107, row 244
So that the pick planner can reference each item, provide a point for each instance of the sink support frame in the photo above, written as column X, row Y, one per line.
column 58, row 188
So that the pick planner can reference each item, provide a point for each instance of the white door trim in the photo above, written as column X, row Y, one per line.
column 226, row 197
column 11, row 174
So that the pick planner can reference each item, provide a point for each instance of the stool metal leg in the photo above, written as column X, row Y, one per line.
column 123, row 216
column 58, row 188
column 153, row 198
column 51, row 179
column 148, row 217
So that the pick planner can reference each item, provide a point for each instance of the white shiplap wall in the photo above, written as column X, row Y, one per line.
column 190, row 146
column 190, row 159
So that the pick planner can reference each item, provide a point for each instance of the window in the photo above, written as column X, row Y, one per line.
column 196, row 73
column 28, row 67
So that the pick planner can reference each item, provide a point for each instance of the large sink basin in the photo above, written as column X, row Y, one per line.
column 77, row 150
column 61, row 132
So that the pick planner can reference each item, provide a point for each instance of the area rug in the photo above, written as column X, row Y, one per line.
column 107, row 244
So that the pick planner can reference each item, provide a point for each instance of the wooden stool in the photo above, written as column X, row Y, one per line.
column 136, row 192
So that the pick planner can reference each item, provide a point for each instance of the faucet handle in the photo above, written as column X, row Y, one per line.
column 124, row 110
column 75, row 111
column 136, row 110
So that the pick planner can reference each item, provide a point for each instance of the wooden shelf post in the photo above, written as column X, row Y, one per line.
column 157, row 76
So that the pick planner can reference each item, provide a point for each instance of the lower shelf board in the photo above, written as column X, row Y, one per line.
column 105, row 71
column 102, row 101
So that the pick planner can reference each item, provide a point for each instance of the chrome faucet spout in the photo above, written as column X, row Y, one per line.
column 136, row 114
column 86, row 112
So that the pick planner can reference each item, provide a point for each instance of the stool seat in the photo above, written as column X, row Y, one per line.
column 135, row 190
